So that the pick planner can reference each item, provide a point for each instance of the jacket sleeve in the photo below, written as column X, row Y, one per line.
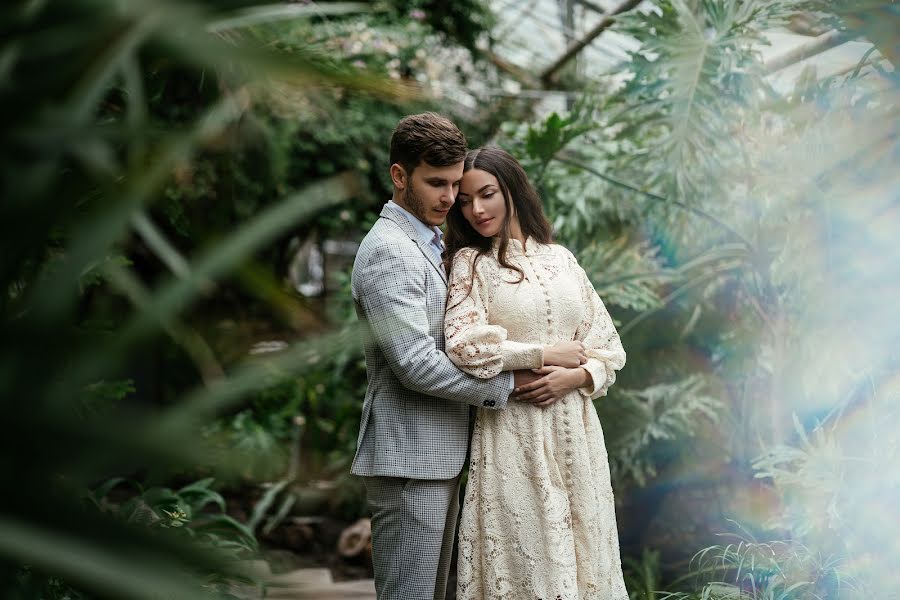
column 391, row 290
column 604, row 348
column 474, row 345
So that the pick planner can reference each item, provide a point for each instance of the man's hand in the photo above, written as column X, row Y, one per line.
column 524, row 376
column 552, row 384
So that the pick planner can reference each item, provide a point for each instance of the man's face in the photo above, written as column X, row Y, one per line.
column 430, row 192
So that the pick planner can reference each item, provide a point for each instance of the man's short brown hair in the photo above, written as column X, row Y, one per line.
column 427, row 137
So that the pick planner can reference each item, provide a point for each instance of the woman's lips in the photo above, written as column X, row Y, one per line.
column 481, row 222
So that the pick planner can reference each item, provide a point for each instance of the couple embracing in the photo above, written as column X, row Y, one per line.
column 499, row 321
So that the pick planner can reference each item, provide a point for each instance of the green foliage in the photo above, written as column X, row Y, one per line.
column 543, row 143
column 688, row 88
column 743, row 236
column 785, row 570
column 262, row 438
column 836, row 490
column 103, row 396
column 660, row 413
column 185, row 509
column 642, row 577
column 465, row 21
column 625, row 273
column 327, row 398
column 114, row 106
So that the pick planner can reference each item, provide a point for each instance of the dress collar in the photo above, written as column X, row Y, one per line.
column 514, row 248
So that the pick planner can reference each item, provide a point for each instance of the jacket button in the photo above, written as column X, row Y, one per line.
column 489, row 403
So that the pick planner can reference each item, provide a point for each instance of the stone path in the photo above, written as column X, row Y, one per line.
column 304, row 584
column 317, row 584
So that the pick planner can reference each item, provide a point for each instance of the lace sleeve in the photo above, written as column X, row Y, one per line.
column 605, row 352
column 474, row 345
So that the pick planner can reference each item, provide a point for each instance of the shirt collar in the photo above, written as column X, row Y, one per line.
column 426, row 232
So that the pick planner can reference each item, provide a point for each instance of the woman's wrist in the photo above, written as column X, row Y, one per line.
column 548, row 355
column 587, row 380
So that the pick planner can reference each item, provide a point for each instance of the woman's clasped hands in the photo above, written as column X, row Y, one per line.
column 561, row 374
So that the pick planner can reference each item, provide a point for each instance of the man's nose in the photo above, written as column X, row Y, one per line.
column 449, row 193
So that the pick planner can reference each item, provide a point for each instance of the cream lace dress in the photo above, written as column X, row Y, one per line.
column 538, row 520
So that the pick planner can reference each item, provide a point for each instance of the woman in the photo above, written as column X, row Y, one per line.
column 538, row 520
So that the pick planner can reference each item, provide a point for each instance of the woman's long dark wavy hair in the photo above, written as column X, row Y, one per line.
column 520, row 197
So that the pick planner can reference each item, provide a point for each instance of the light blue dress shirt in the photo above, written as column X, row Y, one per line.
column 429, row 234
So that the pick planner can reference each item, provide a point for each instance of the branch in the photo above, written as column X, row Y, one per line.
column 818, row 45
column 548, row 75
column 657, row 198
column 591, row 6
column 518, row 73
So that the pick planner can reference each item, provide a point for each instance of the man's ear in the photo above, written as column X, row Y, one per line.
column 399, row 176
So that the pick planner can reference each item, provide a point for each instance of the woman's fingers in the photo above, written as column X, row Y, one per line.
column 541, row 398
column 537, row 383
column 577, row 361
column 528, row 388
column 582, row 355
column 543, row 392
column 537, row 393
column 531, row 396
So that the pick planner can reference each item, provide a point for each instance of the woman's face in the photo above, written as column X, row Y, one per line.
column 482, row 203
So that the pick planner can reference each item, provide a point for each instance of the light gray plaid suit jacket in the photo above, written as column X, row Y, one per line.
column 415, row 419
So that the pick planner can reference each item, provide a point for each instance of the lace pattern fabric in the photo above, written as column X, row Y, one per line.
column 538, row 520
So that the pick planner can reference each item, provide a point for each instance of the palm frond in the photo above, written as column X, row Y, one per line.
column 690, row 83
column 84, row 156
column 626, row 274
column 646, row 417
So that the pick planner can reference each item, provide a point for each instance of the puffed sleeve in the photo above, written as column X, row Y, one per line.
column 475, row 346
column 604, row 348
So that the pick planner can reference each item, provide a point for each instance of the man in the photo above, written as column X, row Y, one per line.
column 414, row 431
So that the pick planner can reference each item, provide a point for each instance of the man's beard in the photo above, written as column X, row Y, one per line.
column 414, row 203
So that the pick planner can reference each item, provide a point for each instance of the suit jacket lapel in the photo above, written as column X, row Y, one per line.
column 400, row 219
